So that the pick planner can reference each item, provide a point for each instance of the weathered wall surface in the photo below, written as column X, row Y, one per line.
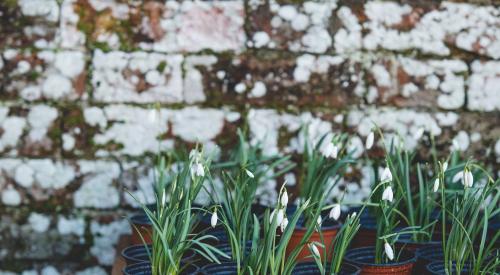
column 79, row 80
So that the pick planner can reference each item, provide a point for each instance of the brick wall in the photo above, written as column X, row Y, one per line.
column 80, row 80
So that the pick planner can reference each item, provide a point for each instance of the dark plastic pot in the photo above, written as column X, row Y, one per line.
column 136, row 254
column 406, row 242
column 329, row 230
column 364, row 257
column 145, row 269
column 438, row 268
column 220, row 269
column 312, row 269
column 218, row 232
column 141, row 226
column 426, row 255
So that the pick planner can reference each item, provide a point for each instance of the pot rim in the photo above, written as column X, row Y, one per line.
column 413, row 258
column 133, row 247
column 140, row 219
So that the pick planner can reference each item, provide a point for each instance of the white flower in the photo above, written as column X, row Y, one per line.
column 284, row 224
column 163, row 198
column 388, row 251
column 197, row 170
column 369, row 141
column 458, row 176
column 353, row 215
column 445, row 166
column 329, row 150
column 213, row 220
column 387, row 195
column 335, row 152
column 319, row 220
column 250, row 174
column 314, row 250
column 280, row 216
column 284, row 199
column 435, row 188
column 386, row 175
column 335, row 212
column 467, row 179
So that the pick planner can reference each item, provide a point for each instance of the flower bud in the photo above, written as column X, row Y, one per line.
column 388, row 251
column 335, row 212
column 369, row 141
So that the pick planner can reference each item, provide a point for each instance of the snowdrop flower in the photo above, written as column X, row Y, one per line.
column 435, row 188
column 319, row 220
column 314, row 250
column 388, row 251
column 369, row 141
column 250, row 174
column 445, row 166
column 213, row 220
column 284, row 199
column 386, row 175
column 280, row 216
column 330, row 150
column 197, row 170
column 387, row 195
column 467, row 179
column 283, row 225
column 458, row 176
column 335, row 212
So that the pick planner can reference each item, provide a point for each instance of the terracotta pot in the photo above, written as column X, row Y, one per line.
column 364, row 257
column 367, row 233
column 141, row 226
column 312, row 269
column 437, row 268
column 329, row 230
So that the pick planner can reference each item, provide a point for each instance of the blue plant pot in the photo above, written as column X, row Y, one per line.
column 312, row 269
column 136, row 254
column 220, row 269
column 437, row 267
column 426, row 255
column 145, row 269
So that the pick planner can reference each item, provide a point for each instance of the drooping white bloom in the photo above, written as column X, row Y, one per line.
column 435, row 188
column 458, row 176
column 213, row 220
column 467, row 179
column 387, row 195
column 445, row 166
column 250, row 174
column 283, row 225
column 335, row 152
column 386, row 175
column 335, row 212
column 314, row 250
column 284, row 199
column 280, row 216
column 330, row 150
column 388, row 251
column 197, row 170
column 319, row 220
column 369, row 141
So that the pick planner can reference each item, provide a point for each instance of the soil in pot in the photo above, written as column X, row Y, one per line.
column 220, row 269
column 141, row 226
column 364, row 257
column 329, row 230
column 437, row 268
column 145, row 269
column 312, row 269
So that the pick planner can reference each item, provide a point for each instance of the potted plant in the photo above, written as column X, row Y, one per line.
column 173, row 220
column 465, row 214
column 321, row 170
column 382, row 258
